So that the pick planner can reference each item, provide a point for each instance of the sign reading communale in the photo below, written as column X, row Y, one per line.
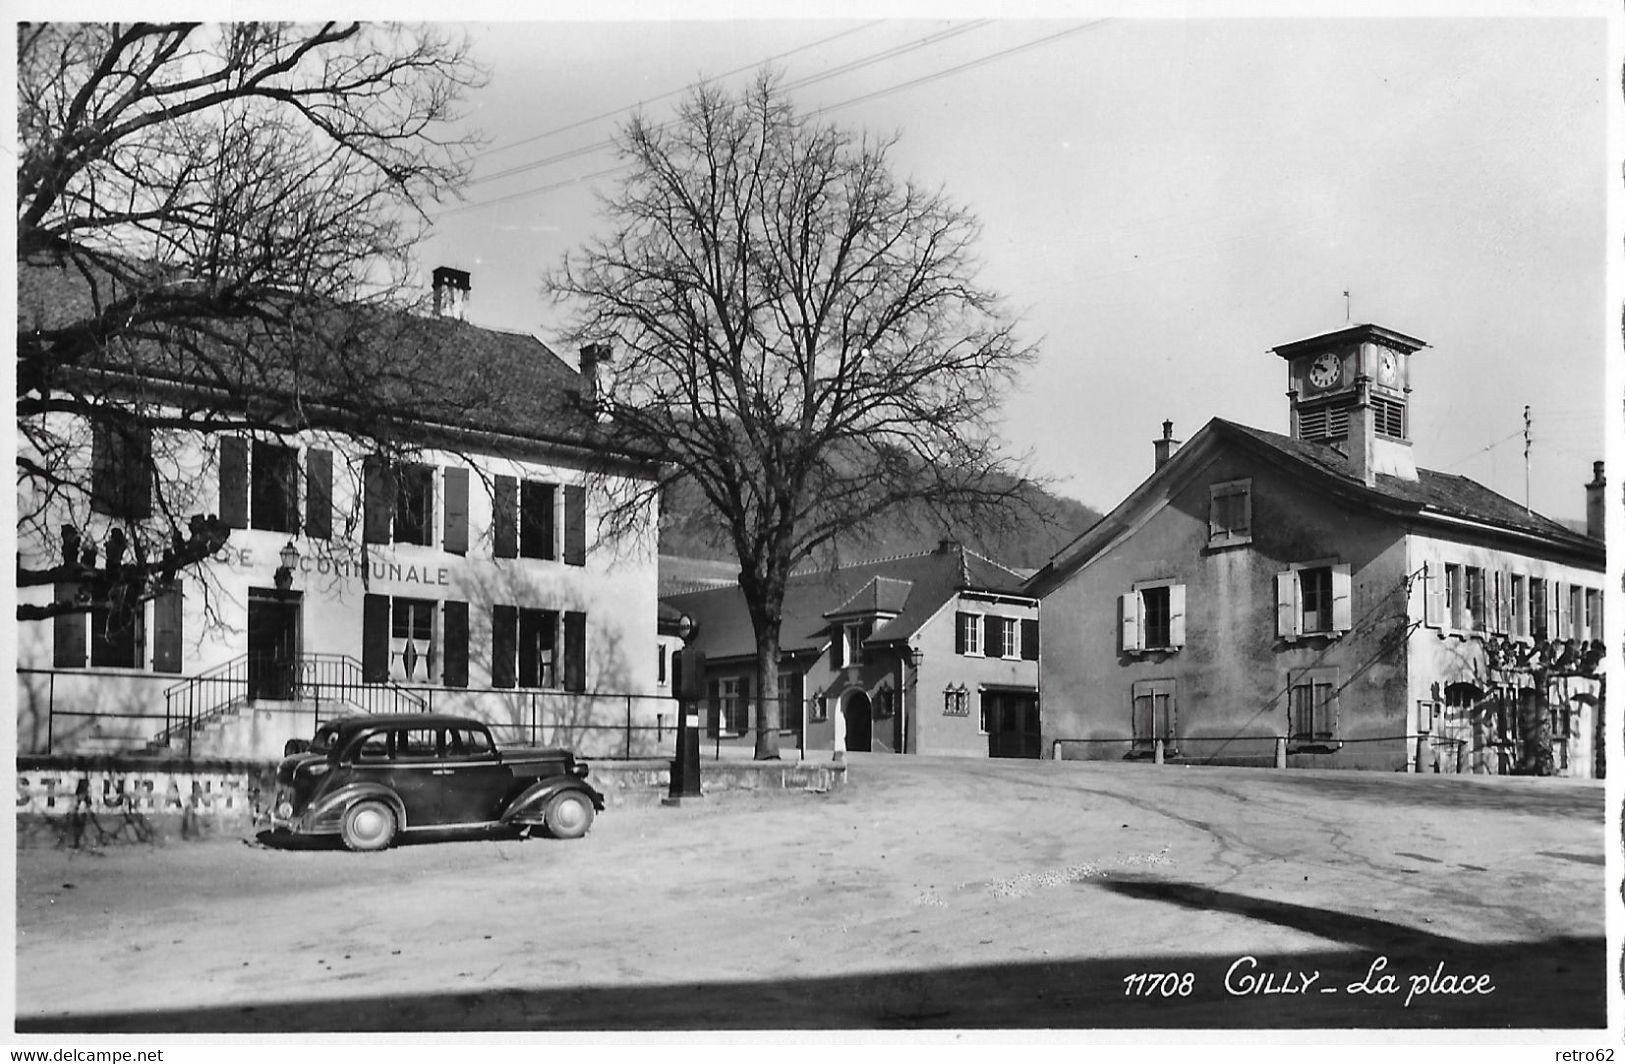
column 348, row 566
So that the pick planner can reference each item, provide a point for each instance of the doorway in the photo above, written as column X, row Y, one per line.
column 859, row 722
column 1011, row 720
column 273, row 644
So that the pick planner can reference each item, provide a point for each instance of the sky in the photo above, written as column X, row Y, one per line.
column 1162, row 201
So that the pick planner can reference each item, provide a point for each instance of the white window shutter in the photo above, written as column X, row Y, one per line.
column 1176, row 615
column 1500, row 615
column 1131, row 621
column 1556, row 630
column 1342, row 598
column 1287, row 618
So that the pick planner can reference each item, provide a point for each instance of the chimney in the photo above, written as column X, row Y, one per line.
column 1165, row 446
column 1596, row 507
column 592, row 355
column 945, row 545
column 451, row 290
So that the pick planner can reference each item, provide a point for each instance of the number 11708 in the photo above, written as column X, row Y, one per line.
column 1159, row 984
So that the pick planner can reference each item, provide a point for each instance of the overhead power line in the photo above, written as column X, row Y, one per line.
column 813, row 79
column 674, row 92
column 948, row 72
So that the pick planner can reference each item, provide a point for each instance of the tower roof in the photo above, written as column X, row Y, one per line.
column 1347, row 334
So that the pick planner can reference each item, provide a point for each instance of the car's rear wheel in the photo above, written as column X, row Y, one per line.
column 569, row 815
column 368, row 826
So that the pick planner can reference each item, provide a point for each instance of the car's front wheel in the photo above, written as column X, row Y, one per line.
column 367, row 826
column 569, row 815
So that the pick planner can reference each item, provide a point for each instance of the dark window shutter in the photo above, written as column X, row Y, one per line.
column 378, row 502
column 504, row 644
column 375, row 638
column 959, row 632
column 1029, row 640
column 319, row 494
column 505, row 517
column 713, row 706
column 69, row 632
column 454, row 630
column 993, row 629
column 166, row 630
column 536, row 502
column 456, row 537
column 575, row 525
column 234, row 482
column 575, row 651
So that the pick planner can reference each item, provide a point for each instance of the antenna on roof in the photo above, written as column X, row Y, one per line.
column 1527, row 440
column 1348, row 307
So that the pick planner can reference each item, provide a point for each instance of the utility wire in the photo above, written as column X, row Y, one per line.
column 523, row 193
column 813, row 79
column 674, row 92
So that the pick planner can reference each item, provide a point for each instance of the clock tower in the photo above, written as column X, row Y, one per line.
column 1350, row 390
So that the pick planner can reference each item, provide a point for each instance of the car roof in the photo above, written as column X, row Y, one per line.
column 350, row 725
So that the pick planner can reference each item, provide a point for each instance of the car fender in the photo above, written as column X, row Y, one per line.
column 327, row 811
column 531, row 805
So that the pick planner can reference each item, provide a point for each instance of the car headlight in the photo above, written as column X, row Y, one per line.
column 284, row 810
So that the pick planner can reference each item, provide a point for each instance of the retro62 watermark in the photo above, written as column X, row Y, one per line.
column 1248, row 976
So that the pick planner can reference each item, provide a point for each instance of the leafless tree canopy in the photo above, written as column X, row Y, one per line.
column 795, row 328
column 227, row 209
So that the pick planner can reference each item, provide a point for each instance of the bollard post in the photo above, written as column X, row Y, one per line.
column 685, row 767
column 1280, row 751
column 1156, row 752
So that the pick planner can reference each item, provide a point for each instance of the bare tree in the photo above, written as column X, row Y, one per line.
column 213, row 224
column 795, row 329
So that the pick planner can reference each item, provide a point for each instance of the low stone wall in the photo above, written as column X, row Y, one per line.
column 89, row 801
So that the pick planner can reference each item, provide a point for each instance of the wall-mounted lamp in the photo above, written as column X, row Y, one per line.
column 915, row 656
column 289, row 556
column 686, row 628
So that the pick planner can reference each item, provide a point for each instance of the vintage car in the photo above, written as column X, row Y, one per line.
column 369, row 780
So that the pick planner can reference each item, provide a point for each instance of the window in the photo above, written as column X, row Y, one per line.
column 1154, row 716
column 1323, row 423
column 411, row 640
column 732, row 706
column 1593, row 613
column 118, row 637
column 1153, row 617
column 968, row 634
column 415, row 744
column 1313, row 600
column 525, row 520
column 274, row 488
column 1312, row 708
column 790, row 700
column 851, row 644
column 536, row 520
column 1539, row 605
column 1576, row 618
column 1003, row 637
column 399, row 502
column 1477, row 616
column 818, row 710
column 467, row 742
column 955, row 701
column 1520, row 605
column 121, row 470
column 1230, row 513
column 538, row 642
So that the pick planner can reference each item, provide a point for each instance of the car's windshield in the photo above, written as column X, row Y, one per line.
column 323, row 742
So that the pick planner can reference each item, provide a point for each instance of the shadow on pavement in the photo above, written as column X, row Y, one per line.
column 1391, row 977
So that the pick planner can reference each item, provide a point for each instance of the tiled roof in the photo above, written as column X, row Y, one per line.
column 1431, row 493
column 412, row 367
column 880, row 595
column 932, row 578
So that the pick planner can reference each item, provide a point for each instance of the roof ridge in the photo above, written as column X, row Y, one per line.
column 990, row 561
column 855, row 565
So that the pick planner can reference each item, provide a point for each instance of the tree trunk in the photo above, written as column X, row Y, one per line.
column 769, row 714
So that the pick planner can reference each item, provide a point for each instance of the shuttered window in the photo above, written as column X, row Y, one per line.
column 375, row 625
column 319, row 493
column 1029, row 639
column 454, row 625
column 575, row 651
column 68, row 631
column 575, row 525
column 505, row 517
column 121, row 470
column 273, row 487
column 234, row 482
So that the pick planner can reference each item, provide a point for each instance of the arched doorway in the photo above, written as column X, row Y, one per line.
column 859, row 721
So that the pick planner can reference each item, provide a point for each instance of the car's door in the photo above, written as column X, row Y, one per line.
column 474, row 781
column 414, row 759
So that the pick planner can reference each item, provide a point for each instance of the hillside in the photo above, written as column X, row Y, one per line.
column 1033, row 531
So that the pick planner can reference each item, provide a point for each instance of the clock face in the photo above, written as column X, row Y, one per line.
column 1388, row 367
column 1326, row 370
